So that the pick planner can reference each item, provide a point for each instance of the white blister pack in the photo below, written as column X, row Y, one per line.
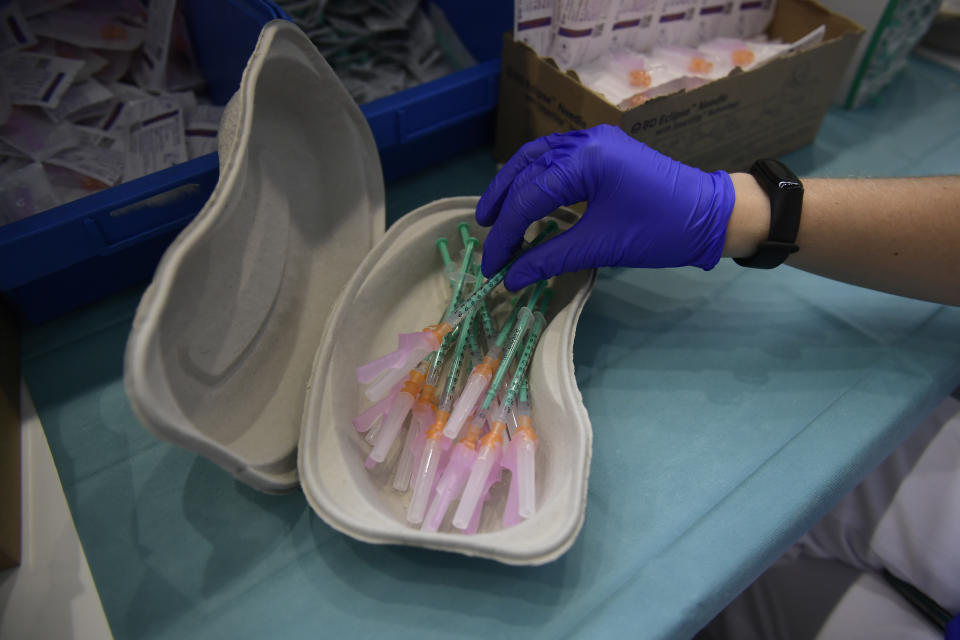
column 244, row 346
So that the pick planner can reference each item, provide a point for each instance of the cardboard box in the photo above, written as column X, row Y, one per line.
column 9, row 437
column 726, row 124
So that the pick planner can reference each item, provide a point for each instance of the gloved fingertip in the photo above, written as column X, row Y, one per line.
column 484, row 213
column 520, row 276
column 489, row 265
column 514, row 282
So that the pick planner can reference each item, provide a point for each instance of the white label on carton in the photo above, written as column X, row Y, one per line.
column 156, row 139
column 634, row 25
column 79, row 97
column 15, row 34
column 533, row 24
column 677, row 23
column 753, row 17
column 583, row 31
column 39, row 80
column 716, row 18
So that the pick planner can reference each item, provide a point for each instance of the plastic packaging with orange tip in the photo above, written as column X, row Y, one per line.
column 742, row 57
column 640, row 78
column 700, row 65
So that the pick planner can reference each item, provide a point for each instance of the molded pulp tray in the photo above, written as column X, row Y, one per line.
column 245, row 344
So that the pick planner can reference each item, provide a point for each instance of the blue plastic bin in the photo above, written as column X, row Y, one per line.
column 427, row 124
column 85, row 250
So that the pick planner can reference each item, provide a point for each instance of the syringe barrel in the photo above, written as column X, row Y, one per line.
column 473, row 491
column 450, row 485
column 391, row 426
column 526, row 475
column 516, row 341
column 476, row 384
column 401, row 479
column 423, row 485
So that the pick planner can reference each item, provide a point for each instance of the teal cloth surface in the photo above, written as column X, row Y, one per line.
column 730, row 409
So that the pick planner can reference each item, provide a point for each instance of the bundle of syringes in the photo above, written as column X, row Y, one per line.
column 465, row 424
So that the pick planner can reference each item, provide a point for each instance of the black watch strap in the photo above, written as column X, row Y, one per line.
column 786, row 203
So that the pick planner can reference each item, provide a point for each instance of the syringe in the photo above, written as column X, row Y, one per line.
column 413, row 347
column 489, row 452
column 491, row 371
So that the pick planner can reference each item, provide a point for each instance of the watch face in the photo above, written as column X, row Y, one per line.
column 777, row 175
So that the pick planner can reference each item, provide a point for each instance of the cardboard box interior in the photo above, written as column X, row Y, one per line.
column 726, row 124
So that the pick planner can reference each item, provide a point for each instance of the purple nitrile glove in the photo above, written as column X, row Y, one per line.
column 644, row 209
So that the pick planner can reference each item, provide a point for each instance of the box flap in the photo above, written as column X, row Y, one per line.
column 221, row 349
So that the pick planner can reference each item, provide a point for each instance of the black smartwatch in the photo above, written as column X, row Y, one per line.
column 786, row 202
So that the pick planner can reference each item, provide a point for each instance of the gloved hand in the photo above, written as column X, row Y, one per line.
column 644, row 209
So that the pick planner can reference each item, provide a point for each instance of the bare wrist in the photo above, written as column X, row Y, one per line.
column 749, row 223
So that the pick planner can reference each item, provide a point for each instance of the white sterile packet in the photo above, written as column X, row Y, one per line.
column 151, row 69
column 186, row 99
column 116, row 115
column 622, row 74
column 753, row 17
column 87, row 29
column 183, row 72
column 693, row 62
column 582, row 31
column 92, row 61
column 9, row 164
column 15, row 33
column 25, row 192
column 38, row 80
column 743, row 53
column 69, row 185
column 635, row 24
column 36, row 136
column 7, row 150
column 128, row 11
column 78, row 98
column 203, row 122
column 678, row 23
column 533, row 24
column 749, row 54
column 155, row 136
column 100, row 155
column 94, row 137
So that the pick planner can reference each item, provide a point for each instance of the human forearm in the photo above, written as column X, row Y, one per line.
column 898, row 235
